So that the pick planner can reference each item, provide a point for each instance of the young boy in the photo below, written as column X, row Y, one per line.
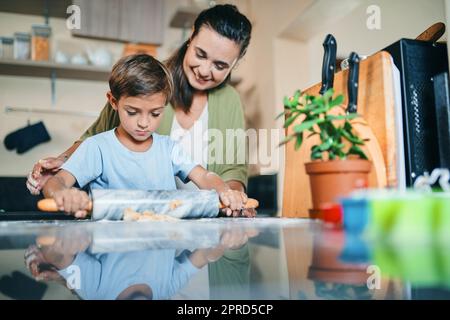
column 133, row 156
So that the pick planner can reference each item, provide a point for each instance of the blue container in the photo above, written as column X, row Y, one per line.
column 356, row 214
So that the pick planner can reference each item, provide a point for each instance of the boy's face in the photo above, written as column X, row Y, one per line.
column 139, row 116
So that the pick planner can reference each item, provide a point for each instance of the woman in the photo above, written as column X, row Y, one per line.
column 203, row 100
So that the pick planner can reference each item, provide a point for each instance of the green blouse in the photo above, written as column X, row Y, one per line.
column 224, row 112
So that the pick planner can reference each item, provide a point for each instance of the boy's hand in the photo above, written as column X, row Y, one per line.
column 234, row 201
column 73, row 201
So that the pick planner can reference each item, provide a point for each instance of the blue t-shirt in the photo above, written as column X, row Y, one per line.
column 104, row 276
column 103, row 162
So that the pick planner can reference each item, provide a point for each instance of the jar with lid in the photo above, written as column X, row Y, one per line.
column 6, row 47
column 40, row 42
column 22, row 46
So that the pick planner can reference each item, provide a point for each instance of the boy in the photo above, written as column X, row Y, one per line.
column 132, row 156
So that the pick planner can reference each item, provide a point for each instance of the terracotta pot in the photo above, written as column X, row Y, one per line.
column 330, row 180
column 327, row 265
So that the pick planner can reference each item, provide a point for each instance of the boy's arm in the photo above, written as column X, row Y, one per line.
column 61, row 181
column 232, row 199
column 68, row 199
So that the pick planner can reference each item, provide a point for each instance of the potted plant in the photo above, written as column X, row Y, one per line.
column 338, row 164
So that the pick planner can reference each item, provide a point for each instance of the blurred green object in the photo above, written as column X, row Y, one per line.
column 423, row 266
column 411, row 233
column 410, row 216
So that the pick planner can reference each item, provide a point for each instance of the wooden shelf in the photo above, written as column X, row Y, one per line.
column 45, row 69
column 53, row 8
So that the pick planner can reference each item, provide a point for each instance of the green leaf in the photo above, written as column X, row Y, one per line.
column 280, row 115
column 316, row 155
column 320, row 110
column 306, row 125
column 326, row 145
column 337, row 101
column 287, row 103
column 331, row 155
column 315, row 148
column 352, row 138
column 341, row 154
column 357, row 151
column 328, row 94
column 291, row 119
column 287, row 139
column 342, row 117
column 299, row 141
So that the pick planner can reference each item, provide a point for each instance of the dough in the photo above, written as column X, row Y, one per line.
column 131, row 215
column 175, row 204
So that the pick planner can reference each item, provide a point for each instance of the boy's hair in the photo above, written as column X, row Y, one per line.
column 140, row 74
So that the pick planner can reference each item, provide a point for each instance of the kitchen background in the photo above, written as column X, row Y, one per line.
column 285, row 54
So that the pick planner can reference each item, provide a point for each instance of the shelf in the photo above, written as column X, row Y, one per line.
column 45, row 69
column 56, row 8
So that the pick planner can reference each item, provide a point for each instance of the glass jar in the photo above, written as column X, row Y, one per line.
column 6, row 48
column 22, row 46
column 40, row 42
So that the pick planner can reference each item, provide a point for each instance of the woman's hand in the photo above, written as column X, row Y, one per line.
column 72, row 201
column 39, row 267
column 43, row 170
column 234, row 202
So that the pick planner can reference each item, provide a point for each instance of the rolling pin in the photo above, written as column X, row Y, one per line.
column 111, row 204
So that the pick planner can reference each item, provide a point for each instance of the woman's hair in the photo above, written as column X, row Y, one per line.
column 140, row 74
column 227, row 21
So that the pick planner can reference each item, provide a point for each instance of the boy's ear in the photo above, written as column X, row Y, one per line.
column 112, row 100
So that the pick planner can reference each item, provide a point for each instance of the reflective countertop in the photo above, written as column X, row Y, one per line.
column 223, row 258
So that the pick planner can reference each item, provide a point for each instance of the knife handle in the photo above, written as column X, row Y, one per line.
column 49, row 205
column 352, row 84
column 433, row 33
column 329, row 63
column 250, row 204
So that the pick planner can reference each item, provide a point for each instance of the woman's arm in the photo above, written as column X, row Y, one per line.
column 46, row 168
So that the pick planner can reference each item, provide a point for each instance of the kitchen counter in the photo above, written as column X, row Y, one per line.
column 261, row 258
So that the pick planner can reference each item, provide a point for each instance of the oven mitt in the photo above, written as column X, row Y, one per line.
column 19, row 286
column 26, row 138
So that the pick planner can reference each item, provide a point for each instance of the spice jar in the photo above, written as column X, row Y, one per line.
column 40, row 42
column 21, row 46
column 6, row 48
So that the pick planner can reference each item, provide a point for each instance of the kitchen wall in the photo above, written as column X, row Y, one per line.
column 28, row 92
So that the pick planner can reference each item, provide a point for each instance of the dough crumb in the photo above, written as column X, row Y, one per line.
column 131, row 215
column 175, row 204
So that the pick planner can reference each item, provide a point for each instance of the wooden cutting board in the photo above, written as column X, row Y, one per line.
column 376, row 103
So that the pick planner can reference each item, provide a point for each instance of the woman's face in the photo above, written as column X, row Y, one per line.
column 209, row 59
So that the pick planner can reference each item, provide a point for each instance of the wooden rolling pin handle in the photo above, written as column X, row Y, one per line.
column 250, row 204
column 49, row 205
